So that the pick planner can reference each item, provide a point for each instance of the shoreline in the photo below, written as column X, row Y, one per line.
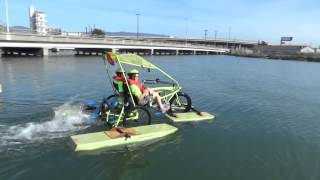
column 296, row 57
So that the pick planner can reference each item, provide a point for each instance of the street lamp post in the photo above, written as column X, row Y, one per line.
column 138, row 25
column 7, row 15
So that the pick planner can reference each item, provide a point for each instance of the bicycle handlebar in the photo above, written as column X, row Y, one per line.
column 157, row 81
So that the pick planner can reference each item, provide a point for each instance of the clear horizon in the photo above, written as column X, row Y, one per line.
column 237, row 19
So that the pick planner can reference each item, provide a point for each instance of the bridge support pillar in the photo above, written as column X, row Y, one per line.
column 8, row 37
column 114, row 50
column 177, row 52
column 45, row 52
column 194, row 52
column 151, row 52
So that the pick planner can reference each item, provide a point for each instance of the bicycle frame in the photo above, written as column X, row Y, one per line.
column 172, row 91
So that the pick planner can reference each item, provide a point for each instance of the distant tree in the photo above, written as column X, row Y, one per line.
column 2, row 26
column 262, row 43
column 98, row 32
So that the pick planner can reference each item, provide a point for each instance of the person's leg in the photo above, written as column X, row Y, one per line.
column 148, row 91
column 156, row 97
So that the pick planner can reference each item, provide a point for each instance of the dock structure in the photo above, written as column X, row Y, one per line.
column 26, row 44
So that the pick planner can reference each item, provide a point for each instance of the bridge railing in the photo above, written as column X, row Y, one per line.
column 98, row 40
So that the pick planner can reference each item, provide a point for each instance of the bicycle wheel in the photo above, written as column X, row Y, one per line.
column 112, row 98
column 181, row 102
column 137, row 116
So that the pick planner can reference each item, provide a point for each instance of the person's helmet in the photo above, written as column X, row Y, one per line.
column 134, row 71
column 119, row 70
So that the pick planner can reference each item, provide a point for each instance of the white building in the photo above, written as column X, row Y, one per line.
column 77, row 34
column 54, row 31
column 38, row 21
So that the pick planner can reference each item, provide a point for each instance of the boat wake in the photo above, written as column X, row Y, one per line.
column 67, row 119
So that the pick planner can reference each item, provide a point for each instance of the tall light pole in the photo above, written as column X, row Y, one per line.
column 186, row 31
column 205, row 34
column 138, row 25
column 7, row 15
column 215, row 37
column 215, row 34
column 229, row 32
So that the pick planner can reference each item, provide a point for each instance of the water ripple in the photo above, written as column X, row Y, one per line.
column 66, row 120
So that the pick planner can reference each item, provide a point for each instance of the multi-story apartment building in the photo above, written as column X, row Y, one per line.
column 38, row 21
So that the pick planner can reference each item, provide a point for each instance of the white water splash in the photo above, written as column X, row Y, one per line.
column 68, row 118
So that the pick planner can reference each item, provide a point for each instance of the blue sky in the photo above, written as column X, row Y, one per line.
column 246, row 19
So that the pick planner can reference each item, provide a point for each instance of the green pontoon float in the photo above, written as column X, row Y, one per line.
column 121, row 136
column 190, row 116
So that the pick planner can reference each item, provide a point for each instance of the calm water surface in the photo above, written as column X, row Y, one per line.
column 267, row 124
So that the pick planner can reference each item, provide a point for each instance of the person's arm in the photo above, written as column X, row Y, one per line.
column 136, row 92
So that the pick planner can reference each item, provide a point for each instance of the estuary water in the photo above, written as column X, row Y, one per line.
column 267, row 122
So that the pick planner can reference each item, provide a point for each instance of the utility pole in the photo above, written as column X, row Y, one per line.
column 229, row 32
column 138, row 15
column 186, row 31
column 205, row 34
column 7, row 15
column 215, row 37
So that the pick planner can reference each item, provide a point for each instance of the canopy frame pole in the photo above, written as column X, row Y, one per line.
column 167, row 75
column 127, row 82
column 119, row 117
column 108, row 76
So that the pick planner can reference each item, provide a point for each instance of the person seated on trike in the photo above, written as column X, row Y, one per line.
column 141, row 93
column 118, row 80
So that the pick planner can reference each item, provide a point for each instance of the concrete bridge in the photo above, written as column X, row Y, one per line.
column 39, row 45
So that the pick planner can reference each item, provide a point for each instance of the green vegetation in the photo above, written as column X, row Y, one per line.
column 98, row 32
column 2, row 27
